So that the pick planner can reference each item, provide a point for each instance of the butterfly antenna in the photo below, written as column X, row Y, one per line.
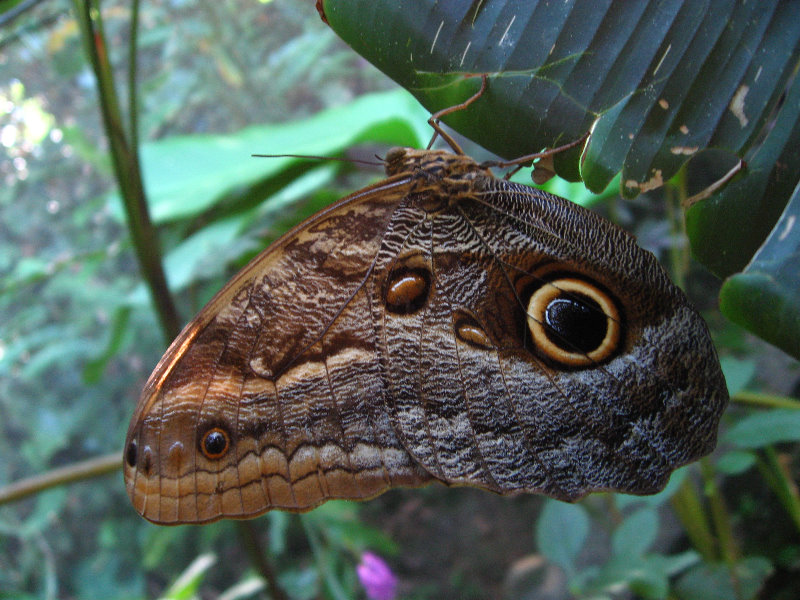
column 314, row 157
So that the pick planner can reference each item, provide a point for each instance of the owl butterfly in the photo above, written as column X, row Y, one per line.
column 440, row 325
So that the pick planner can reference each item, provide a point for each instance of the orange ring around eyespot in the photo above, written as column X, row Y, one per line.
column 552, row 290
column 215, row 455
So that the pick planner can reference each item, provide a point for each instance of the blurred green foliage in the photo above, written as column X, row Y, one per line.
column 219, row 81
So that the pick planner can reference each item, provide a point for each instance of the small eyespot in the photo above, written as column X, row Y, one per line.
column 175, row 456
column 130, row 454
column 215, row 443
column 574, row 322
column 471, row 333
column 146, row 464
column 407, row 290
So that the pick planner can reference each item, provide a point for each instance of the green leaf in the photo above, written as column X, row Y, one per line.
column 645, row 576
column 735, row 462
column 188, row 582
column 764, row 429
column 103, row 576
column 342, row 528
column 278, row 529
column 247, row 588
column 93, row 370
column 657, row 81
column 8, row 6
column 201, row 255
column 187, row 175
column 28, row 270
column 301, row 584
column 561, row 531
column 640, row 577
column 157, row 543
column 48, row 503
column 726, row 229
column 738, row 373
column 765, row 297
column 634, row 536
column 717, row 582
column 209, row 251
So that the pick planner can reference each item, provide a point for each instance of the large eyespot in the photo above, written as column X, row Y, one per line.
column 407, row 290
column 215, row 443
column 130, row 454
column 574, row 323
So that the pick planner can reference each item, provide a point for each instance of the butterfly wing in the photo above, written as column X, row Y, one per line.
column 440, row 325
column 266, row 399
column 477, row 394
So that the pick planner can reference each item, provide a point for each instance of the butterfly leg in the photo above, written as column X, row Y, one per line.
column 437, row 116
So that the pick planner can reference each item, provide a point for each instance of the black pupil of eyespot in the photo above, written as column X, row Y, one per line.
column 575, row 323
column 215, row 443
column 130, row 455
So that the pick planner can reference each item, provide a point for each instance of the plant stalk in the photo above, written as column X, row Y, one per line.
column 777, row 476
column 247, row 533
column 687, row 506
column 87, row 469
column 125, row 162
column 728, row 548
column 766, row 400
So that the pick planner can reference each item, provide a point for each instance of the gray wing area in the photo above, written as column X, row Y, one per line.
column 471, row 399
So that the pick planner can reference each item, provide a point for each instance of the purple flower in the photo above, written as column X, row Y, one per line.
column 376, row 577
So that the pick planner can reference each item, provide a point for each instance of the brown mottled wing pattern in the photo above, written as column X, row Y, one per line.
column 284, row 362
column 415, row 331
column 474, row 403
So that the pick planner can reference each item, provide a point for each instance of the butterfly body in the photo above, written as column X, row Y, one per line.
column 440, row 325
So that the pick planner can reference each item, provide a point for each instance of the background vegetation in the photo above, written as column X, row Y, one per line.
column 218, row 81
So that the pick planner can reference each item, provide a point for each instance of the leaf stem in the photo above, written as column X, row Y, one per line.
column 133, row 97
column 94, row 467
column 674, row 192
column 777, row 476
column 332, row 584
column 125, row 161
column 686, row 504
column 728, row 548
column 247, row 533
column 766, row 400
